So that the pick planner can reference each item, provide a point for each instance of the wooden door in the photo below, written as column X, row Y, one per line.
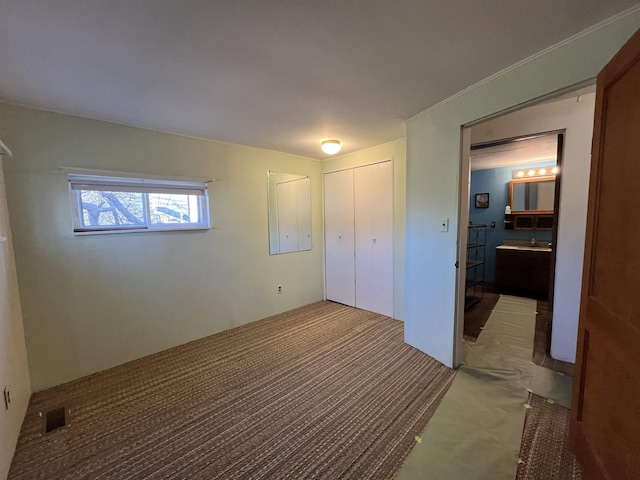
column 373, row 205
column 339, row 237
column 605, row 423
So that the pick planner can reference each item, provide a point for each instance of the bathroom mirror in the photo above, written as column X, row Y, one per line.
column 289, row 201
column 532, row 195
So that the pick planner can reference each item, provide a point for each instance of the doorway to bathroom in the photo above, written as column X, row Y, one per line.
column 525, row 207
column 512, row 224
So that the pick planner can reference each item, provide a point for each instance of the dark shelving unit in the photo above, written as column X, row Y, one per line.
column 476, row 243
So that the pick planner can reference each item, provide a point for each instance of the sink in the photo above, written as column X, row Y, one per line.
column 524, row 247
column 527, row 245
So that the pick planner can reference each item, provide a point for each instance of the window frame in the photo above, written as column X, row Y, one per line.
column 144, row 186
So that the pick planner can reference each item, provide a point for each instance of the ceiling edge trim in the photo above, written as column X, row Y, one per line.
column 566, row 41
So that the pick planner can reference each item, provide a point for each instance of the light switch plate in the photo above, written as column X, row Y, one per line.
column 444, row 224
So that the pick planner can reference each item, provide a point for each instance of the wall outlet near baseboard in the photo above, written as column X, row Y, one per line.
column 279, row 289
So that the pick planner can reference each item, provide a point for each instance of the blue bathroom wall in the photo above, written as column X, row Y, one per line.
column 495, row 182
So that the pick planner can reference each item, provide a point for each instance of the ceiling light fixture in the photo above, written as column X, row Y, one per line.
column 331, row 147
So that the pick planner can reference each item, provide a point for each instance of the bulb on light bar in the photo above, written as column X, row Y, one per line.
column 535, row 172
column 331, row 147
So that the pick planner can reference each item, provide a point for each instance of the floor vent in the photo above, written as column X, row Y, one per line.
column 55, row 419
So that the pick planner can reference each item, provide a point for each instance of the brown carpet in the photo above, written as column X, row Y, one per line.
column 545, row 449
column 323, row 391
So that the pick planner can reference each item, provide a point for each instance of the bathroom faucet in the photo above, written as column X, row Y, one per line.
column 533, row 242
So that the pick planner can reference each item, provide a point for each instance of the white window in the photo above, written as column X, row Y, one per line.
column 116, row 205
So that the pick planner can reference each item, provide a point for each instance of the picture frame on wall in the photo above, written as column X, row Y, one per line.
column 482, row 200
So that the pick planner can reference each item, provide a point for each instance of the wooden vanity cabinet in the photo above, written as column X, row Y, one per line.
column 521, row 270
column 528, row 221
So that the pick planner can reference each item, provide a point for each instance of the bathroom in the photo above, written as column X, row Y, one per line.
column 512, row 205
column 498, row 152
column 512, row 192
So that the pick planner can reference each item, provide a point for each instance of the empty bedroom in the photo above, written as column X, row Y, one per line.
column 231, row 234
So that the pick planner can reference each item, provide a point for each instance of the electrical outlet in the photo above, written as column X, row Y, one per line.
column 7, row 397
column 279, row 289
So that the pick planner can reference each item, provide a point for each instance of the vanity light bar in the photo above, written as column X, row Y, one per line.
column 541, row 172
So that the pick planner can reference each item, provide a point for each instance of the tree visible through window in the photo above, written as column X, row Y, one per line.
column 117, row 204
column 112, row 208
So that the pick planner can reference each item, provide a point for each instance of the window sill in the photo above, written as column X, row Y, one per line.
column 82, row 233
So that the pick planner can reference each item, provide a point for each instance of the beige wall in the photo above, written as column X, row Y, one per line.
column 14, row 372
column 93, row 302
column 395, row 151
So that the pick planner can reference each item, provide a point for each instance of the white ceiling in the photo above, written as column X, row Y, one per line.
column 519, row 152
column 277, row 74
column 532, row 148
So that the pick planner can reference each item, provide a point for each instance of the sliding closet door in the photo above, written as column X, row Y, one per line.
column 339, row 237
column 373, row 191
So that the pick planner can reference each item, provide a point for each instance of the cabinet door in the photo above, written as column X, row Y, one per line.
column 373, row 187
column 287, row 217
column 339, row 237
column 303, row 192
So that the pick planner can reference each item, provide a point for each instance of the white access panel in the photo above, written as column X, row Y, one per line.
column 339, row 237
column 286, row 200
column 373, row 193
column 303, row 192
